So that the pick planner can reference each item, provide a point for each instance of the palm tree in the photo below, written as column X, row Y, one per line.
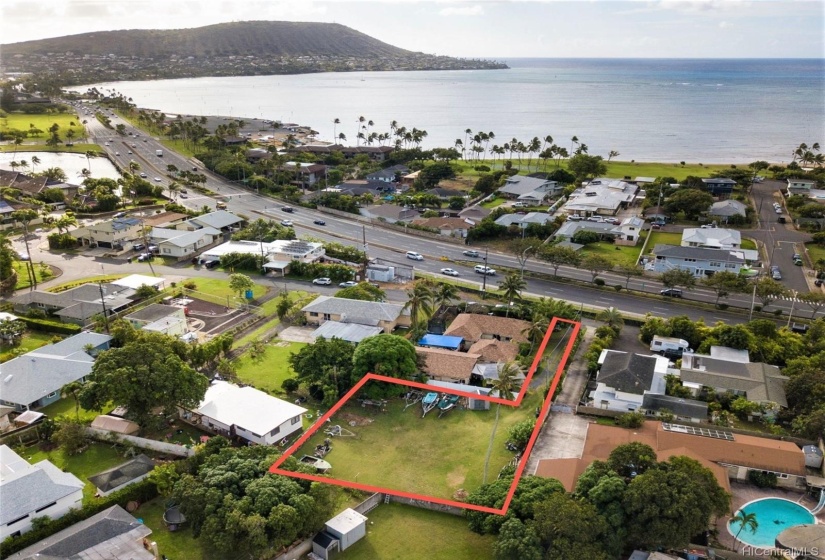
column 505, row 385
column 65, row 222
column 611, row 317
column 745, row 520
column 512, row 285
column 335, row 124
column 73, row 390
column 535, row 331
column 35, row 162
column 611, row 154
column 444, row 295
column 25, row 216
column 419, row 302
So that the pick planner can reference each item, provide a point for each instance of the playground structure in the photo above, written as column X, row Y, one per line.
column 338, row 431
column 446, row 404
column 429, row 402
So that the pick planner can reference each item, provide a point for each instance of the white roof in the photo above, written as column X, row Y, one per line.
column 182, row 238
column 346, row 521
column 135, row 281
column 246, row 407
column 711, row 237
column 296, row 248
column 7, row 316
column 217, row 219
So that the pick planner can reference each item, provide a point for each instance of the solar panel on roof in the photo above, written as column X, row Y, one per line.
column 697, row 431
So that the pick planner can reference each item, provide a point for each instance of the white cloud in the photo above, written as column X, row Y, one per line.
column 724, row 25
column 462, row 11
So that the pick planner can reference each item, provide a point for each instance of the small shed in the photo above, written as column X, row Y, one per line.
column 349, row 527
column 325, row 546
column 115, row 424
column 813, row 456
column 441, row 341
column 380, row 273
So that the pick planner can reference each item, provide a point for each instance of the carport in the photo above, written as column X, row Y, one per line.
column 277, row 268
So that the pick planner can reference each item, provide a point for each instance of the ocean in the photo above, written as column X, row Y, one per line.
column 699, row 111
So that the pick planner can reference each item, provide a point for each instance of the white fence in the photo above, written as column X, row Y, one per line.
column 143, row 443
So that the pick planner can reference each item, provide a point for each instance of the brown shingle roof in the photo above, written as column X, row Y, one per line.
column 447, row 364
column 473, row 327
column 494, row 351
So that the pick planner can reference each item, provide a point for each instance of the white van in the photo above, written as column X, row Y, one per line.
column 669, row 345
column 481, row 269
column 414, row 256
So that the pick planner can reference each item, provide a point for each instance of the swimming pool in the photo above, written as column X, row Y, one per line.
column 774, row 515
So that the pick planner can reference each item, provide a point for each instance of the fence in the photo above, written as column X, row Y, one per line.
column 424, row 504
column 143, row 443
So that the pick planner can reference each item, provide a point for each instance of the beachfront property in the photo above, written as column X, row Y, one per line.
column 532, row 190
column 246, row 413
column 36, row 378
column 386, row 316
column 711, row 238
column 601, row 197
column 800, row 186
column 699, row 261
column 32, row 491
column 719, row 186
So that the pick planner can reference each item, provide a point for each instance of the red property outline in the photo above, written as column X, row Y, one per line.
column 275, row 468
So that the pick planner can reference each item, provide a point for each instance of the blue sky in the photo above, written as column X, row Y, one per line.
column 476, row 28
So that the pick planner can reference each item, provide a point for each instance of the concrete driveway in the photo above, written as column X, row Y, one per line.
column 562, row 436
column 297, row 334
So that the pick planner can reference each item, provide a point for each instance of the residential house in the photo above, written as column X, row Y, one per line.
column 219, row 219
column 446, row 194
column 111, row 234
column 121, row 476
column 164, row 319
column 682, row 410
column 494, row 351
column 719, row 186
column 409, row 179
column 472, row 328
column 112, row 534
column 601, row 197
column 391, row 213
column 77, row 305
column 474, row 213
column 800, row 186
column 359, row 187
column 164, row 219
column 447, row 365
column 277, row 254
column 256, row 155
column 30, row 186
column 390, row 175
column 529, row 189
column 351, row 332
column 386, row 316
column 306, row 174
column 486, row 373
column 522, row 221
column 246, row 413
column 31, row 491
column 624, row 378
column 450, row 227
column 182, row 243
column 726, row 370
column 728, row 456
column 627, row 232
column 711, row 238
column 656, row 214
column 36, row 378
column 699, row 261
column 726, row 209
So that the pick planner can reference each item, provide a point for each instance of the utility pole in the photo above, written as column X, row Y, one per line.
column 793, row 301
column 103, row 303
column 366, row 250
column 484, row 281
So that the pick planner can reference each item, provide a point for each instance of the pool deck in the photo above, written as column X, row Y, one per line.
column 744, row 493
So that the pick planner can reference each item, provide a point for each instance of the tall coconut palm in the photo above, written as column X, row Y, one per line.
column 35, row 162
column 745, row 520
column 25, row 216
column 512, row 286
column 419, row 302
column 505, row 385
column 444, row 295
column 335, row 124
column 536, row 329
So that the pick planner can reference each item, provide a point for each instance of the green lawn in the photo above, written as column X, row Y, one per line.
column 23, row 278
column 663, row 238
column 490, row 204
column 817, row 252
column 75, row 148
column 96, row 458
column 399, row 532
column 652, row 169
column 23, row 122
column 217, row 288
column 179, row 432
column 617, row 254
column 66, row 407
column 178, row 545
column 30, row 341
column 268, row 373
column 748, row 244
column 432, row 456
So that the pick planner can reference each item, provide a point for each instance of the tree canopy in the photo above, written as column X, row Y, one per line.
column 385, row 354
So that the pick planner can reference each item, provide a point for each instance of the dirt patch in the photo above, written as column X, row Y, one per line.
column 456, row 477
column 355, row 419
column 460, row 495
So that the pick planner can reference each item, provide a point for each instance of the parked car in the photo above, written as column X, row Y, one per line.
column 347, row 284
column 138, row 247
column 671, row 292
column 286, row 223
column 414, row 256
column 319, row 222
column 211, row 264
column 656, row 226
column 145, row 257
column 611, row 220
column 143, row 175
column 574, row 218
column 597, row 219
column 449, row 271
column 776, row 274
column 322, row 281
column 472, row 254
column 153, row 249
column 119, row 215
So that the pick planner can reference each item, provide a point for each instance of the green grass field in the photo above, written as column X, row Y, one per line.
column 66, row 407
column 74, row 149
column 748, row 244
column 31, row 340
column 42, row 122
column 617, row 254
column 433, row 456
column 399, row 532
column 651, row 169
column 663, row 238
column 268, row 373
column 217, row 288
column 96, row 458
column 178, row 545
column 817, row 252
column 23, row 277
column 490, row 204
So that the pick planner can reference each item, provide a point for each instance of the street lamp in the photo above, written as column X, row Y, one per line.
column 523, row 260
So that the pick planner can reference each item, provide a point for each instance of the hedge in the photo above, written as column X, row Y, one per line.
column 141, row 492
column 45, row 325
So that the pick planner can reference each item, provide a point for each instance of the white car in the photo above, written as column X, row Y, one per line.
column 481, row 269
column 414, row 256
column 347, row 284
column 449, row 271
column 322, row 281
column 286, row 223
column 143, row 175
column 157, row 179
column 611, row 220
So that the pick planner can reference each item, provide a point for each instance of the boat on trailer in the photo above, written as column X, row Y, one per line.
column 447, row 403
column 320, row 465
column 429, row 402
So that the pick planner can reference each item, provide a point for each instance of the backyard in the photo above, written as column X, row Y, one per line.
column 399, row 532
column 434, row 456
column 617, row 254
column 268, row 372
column 30, row 341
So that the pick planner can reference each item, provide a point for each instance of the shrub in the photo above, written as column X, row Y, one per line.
column 599, row 282
column 190, row 285
column 722, row 306
column 61, row 241
column 44, row 325
column 631, row 420
column 519, row 434
column 290, row 385
column 762, row 479
column 618, row 287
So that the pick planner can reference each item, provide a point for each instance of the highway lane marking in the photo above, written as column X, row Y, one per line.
column 661, row 310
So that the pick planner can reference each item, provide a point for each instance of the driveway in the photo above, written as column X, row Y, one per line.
column 562, row 436
column 297, row 334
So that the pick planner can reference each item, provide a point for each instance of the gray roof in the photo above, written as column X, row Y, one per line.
column 703, row 253
column 392, row 211
column 719, row 181
column 122, row 474
column 760, row 382
column 186, row 238
column 152, row 313
column 627, row 372
column 728, row 208
column 32, row 487
column 540, row 218
column 680, row 407
column 569, row 229
column 84, row 292
column 351, row 332
column 355, row 311
column 112, row 534
column 521, row 184
column 30, row 377
column 218, row 219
